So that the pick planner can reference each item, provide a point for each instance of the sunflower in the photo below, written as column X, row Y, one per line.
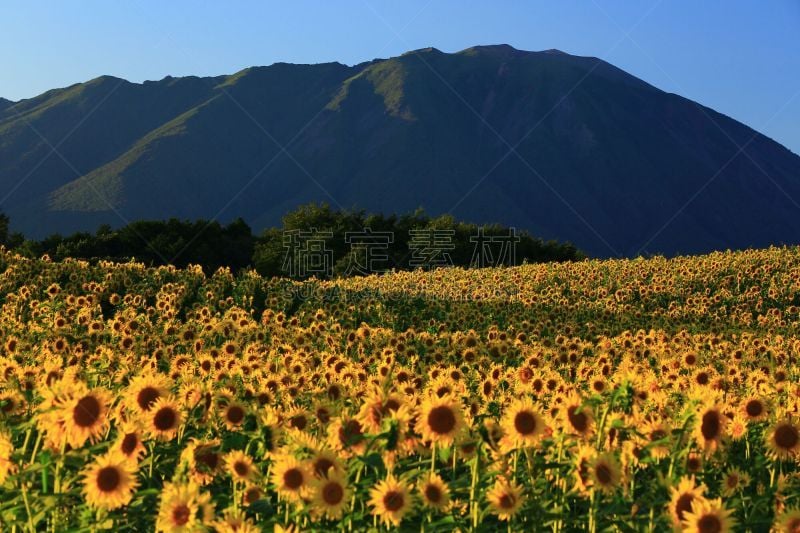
column 184, row 507
column 86, row 417
column 164, row 418
column 129, row 442
column 235, row 521
column 252, row 493
column 577, row 417
column 605, row 472
column 240, row 466
column 683, row 497
column 325, row 461
column 734, row 480
column 657, row 439
column 330, row 495
column 233, row 414
column 522, row 425
column 346, row 435
column 788, row 521
column 11, row 402
column 708, row 516
column 710, row 426
column 204, row 460
column 783, row 439
column 144, row 390
column 505, row 498
column 271, row 431
column 7, row 465
column 291, row 477
column 754, row 408
column 434, row 492
column 390, row 500
column 737, row 427
column 375, row 407
column 694, row 463
column 440, row 420
column 109, row 482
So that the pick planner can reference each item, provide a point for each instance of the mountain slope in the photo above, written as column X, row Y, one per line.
column 600, row 157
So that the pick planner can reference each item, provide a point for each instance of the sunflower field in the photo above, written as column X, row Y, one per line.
column 619, row 395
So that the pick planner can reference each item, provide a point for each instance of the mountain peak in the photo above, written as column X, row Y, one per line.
column 426, row 50
column 492, row 50
column 105, row 78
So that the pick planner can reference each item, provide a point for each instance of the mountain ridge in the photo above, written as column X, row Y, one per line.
column 601, row 158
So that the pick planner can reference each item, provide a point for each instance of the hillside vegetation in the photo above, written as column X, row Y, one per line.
column 566, row 147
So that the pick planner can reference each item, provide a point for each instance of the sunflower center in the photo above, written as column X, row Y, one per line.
column 165, row 419
column 393, row 501
column 129, row 442
column 603, row 473
column 235, row 414
column 433, row 493
column 525, row 423
column 709, row 524
column 332, row 493
column 578, row 419
column 710, row 426
column 507, row 501
column 181, row 514
column 207, row 458
column 754, row 408
column 441, row 420
column 241, row 468
column 683, row 505
column 298, row 422
column 293, row 479
column 350, row 432
column 252, row 494
column 147, row 397
column 786, row 436
column 322, row 465
column 86, row 412
column 108, row 479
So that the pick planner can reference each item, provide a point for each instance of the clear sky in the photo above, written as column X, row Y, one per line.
column 740, row 57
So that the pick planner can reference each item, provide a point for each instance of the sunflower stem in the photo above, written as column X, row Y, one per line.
column 473, row 489
column 27, row 506
column 35, row 448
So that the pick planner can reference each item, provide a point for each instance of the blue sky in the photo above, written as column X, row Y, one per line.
column 739, row 57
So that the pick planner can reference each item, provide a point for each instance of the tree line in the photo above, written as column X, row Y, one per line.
column 313, row 240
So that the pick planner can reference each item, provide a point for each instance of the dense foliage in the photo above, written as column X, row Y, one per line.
column 212, row 245
column 599, row 395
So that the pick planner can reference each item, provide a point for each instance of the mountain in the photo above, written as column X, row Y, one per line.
column 601, row 158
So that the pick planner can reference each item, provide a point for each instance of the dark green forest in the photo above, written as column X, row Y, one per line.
column 314, row 240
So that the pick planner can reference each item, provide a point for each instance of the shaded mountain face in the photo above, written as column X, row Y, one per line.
column 567, row 147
